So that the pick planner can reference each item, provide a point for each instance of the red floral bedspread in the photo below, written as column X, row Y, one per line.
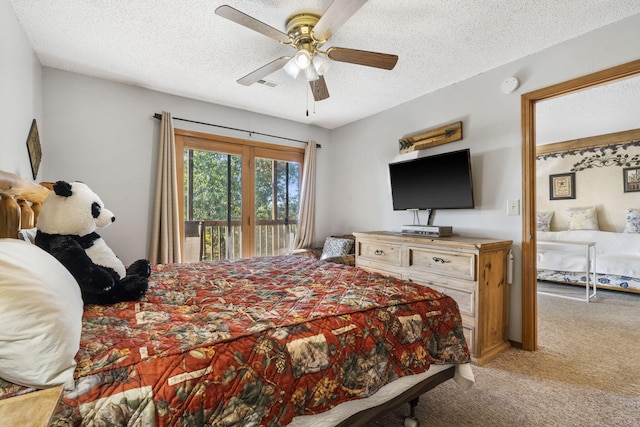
column 255, row 342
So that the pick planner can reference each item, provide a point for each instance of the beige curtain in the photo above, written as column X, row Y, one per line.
column 306, row 223
column 165, row 232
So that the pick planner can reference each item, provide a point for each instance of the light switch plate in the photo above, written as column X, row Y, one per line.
column 513, row 207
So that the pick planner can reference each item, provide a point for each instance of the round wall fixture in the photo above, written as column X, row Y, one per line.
column 509, row 85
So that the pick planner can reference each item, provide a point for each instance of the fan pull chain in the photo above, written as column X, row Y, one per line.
column 314, row 103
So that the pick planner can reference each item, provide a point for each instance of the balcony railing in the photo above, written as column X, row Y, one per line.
column 214, row 240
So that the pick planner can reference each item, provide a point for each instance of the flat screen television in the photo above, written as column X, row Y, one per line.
column 441, row 181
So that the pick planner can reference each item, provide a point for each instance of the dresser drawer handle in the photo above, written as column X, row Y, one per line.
column 440, row 260
column 379, row 252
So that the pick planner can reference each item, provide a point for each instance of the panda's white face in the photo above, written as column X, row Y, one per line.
column 104, row 217
column 79, row 213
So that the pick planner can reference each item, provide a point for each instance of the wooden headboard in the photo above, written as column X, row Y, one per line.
column 20, row 204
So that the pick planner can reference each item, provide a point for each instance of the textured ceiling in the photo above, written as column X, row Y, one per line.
column 183, row 48
column 612, row 107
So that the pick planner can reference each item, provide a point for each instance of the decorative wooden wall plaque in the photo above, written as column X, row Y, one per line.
column 33, row 146
column 431, row 138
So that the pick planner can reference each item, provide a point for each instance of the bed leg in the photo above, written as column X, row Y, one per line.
column 412, row 407
column 411, row 420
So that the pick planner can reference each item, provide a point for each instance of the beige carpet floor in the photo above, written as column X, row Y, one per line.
column 586, row 372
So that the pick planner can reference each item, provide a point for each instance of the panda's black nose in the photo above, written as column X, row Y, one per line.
column 113, row 218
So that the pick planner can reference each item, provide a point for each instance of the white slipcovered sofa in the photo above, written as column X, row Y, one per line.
column 617, row 258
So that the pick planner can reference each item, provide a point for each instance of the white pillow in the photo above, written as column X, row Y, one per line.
column 583, row 219
column 633, row 221
column 40, row 316
column 544, row 221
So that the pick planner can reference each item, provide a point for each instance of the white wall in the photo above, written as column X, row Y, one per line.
column 601, row 187
column 20, row 94
column 491, row 129
column 104, row 134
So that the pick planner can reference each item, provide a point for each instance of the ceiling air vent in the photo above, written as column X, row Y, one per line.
column 267, row 83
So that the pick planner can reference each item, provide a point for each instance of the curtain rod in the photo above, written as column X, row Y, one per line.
column 250, row 132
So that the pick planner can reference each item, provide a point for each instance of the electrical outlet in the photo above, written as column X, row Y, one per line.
column 513, row 207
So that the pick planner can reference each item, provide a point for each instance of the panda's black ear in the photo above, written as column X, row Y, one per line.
column 62, row 188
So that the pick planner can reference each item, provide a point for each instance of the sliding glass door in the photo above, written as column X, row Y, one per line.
column 277, row 195
column 213, row 205
column 241, row 198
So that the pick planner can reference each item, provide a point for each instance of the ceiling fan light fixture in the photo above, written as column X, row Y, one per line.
column 302, row 58
column 310, row 74
column 307, row 33
column 292, row 68
column 321, row 63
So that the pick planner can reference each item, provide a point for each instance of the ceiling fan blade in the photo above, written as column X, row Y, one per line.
column 336, row 15
column 363, row 57
column 252, row 23
column 319, row 89
column 264, row 71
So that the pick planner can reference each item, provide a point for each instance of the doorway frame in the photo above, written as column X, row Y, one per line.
column 528, row 103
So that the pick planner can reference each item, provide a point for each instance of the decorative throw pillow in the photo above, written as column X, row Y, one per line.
column 633, row 221
column 336, row 246
column 41, row 316
column 544, row 221
column 583, row 218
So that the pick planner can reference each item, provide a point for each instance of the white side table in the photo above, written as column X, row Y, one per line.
column 590, row 268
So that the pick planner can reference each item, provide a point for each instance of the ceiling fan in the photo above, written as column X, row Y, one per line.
column 307, row 33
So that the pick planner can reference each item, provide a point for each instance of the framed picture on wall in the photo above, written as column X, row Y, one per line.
column 631, row 179
column 562, row 186
column 34, row 149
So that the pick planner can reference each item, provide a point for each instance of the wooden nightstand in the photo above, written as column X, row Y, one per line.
column 31, row 409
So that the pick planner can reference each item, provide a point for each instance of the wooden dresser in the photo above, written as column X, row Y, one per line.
column 473, row 271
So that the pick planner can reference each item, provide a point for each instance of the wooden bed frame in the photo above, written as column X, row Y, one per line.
column 21, row 201
column 410, row 396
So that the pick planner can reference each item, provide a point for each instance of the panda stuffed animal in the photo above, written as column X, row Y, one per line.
column 66, row 229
